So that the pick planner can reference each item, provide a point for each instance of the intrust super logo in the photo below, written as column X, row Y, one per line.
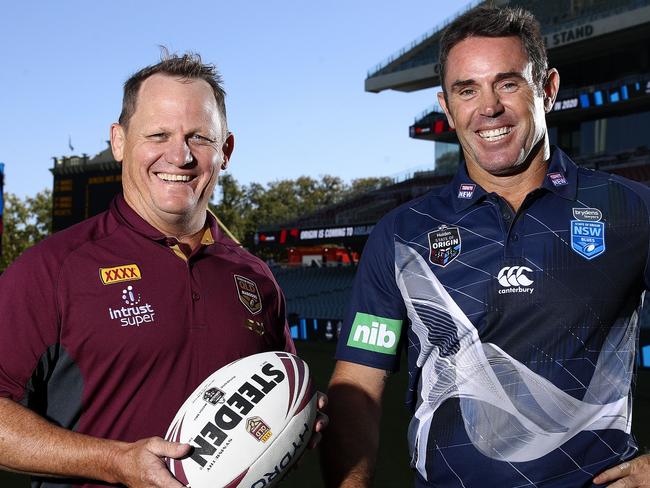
column 117, row 274
column 373, row 333
column 135, row 313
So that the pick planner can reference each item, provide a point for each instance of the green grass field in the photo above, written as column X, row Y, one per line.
column 392, row 469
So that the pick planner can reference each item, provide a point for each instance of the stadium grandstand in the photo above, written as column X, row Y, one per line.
column 601, row 117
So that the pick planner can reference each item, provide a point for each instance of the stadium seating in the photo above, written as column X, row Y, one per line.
column 316, row 292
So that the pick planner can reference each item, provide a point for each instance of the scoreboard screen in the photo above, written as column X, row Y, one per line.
column 81, row 195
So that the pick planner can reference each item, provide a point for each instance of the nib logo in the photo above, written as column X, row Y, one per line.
column 373, row 333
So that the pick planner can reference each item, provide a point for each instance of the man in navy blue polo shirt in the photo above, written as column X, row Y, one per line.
column 514, row 290
column 108, row 326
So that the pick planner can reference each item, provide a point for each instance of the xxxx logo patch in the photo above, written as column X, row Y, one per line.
column 249, row 295
column 127, row 272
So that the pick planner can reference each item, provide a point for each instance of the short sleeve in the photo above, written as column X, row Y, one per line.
column 643, row 193
column 373, row 328
column 29, row 323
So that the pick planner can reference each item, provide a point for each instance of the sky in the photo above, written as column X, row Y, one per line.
column 293, row 71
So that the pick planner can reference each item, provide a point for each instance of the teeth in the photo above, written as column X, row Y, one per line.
column 495, row 134
column 171, row 177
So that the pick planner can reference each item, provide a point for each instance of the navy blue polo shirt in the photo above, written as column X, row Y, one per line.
column 520, row 328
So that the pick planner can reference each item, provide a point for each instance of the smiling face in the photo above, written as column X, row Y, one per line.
column 494, row 105
column 171, row 152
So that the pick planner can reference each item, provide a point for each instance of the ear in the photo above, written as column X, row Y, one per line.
column 551, row 88
column 118, row 138
column 227, row 148
column 443, row 103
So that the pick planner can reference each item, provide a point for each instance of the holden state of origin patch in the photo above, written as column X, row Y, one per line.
column 444, row 245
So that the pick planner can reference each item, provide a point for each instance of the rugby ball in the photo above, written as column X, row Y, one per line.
column 248, row 423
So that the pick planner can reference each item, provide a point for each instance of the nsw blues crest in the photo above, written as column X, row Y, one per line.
column 444, row 245
column 587, row 233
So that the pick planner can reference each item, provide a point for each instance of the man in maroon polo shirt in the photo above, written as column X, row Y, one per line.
column 108, row 326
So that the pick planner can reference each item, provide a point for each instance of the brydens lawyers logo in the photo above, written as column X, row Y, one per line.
column 134, row 313
column 374, row 333
column 118, row 274
column 514, row 279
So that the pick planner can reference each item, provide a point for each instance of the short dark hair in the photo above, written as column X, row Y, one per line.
column 189, row 66
column 498, row 22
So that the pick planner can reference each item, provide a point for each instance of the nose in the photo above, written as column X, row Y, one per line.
column 491, row 104
column 178, row 153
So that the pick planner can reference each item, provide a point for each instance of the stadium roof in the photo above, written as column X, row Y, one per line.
column 103, row 161
column 564, row 22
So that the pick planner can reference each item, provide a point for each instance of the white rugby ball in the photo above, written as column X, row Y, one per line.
column 248, row 423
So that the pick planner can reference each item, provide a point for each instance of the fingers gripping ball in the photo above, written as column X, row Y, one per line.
column 248, row 423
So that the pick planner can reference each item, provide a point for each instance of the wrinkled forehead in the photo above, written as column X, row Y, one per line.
column 165, row 87
column 486, row 57
column 162, row 96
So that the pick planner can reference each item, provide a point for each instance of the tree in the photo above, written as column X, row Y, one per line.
column 233, row 208
column 26, row 222
column 364, row 185
column 243, row 209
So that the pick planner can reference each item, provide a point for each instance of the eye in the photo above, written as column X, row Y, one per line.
column 467, row 92
column 201, row 139
column 157, row 136
column 509, row 86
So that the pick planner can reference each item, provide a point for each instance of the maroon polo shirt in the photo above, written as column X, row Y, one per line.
column 105, row 330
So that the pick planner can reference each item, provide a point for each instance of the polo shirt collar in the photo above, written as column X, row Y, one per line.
column 129, row 217
column 562, row 175
column 464, row 192
column 561, row 179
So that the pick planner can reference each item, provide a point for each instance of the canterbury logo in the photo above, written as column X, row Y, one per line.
column 514, row 276
column 128, row 272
